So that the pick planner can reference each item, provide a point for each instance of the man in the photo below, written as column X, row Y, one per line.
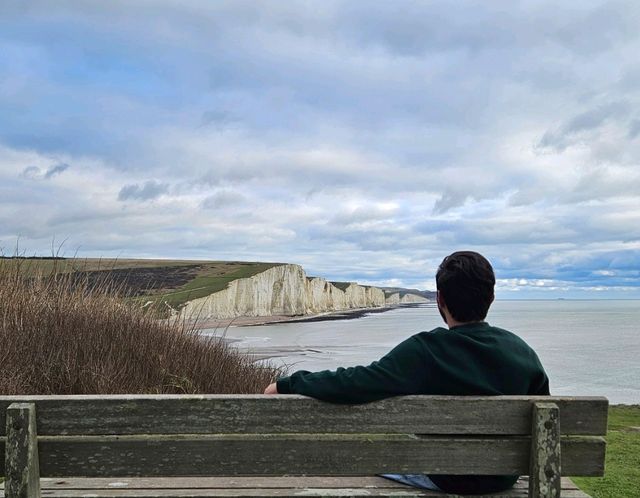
column 471, row 357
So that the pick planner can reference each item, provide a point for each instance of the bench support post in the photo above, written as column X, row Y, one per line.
column 21, row 456
column 545, row 470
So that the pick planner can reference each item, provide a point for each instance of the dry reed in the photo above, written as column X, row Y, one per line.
column 61, row 335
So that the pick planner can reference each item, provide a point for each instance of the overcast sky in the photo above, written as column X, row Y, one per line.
column 363, row 140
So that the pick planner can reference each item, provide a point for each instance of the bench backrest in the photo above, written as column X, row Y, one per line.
column 174, row 435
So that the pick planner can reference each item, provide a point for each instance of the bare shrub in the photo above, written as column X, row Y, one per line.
column 61, row 335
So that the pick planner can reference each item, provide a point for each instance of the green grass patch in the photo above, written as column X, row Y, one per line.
column 622, row 472
column 204, row 285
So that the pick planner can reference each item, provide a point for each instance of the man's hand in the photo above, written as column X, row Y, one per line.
column 271, row 389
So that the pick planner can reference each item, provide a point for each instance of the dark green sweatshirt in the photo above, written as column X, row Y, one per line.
column 471, row 359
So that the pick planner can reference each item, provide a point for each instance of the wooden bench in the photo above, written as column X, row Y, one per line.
column 223, row 445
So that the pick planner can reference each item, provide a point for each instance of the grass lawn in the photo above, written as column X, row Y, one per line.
column 622, row 473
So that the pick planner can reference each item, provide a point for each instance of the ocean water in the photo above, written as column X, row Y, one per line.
column 588, row 348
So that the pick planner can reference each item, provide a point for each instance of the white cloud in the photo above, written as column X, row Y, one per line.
column 365, row 141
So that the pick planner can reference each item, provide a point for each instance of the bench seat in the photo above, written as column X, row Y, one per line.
column 324, row 486
column 238, row 445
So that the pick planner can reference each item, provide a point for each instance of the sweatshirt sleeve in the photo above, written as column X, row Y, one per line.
column 402, row 371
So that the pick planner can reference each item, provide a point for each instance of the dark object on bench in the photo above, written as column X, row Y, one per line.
column 256, row 445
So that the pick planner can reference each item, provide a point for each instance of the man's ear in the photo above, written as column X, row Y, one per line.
column 440, row 300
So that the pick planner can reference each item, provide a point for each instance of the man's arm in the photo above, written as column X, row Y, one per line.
column 401, row 371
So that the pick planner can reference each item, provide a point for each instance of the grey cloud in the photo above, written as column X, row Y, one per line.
column 448, row 200
column 33, row 172
column 592, row 119
column 147, row 191
column 30, row 172
column 224, row 199
column 55, row 170
column 595, row 117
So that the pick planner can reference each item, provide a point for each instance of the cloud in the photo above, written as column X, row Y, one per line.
column 31, row 172
column 449, row 200
column 363, row 140
column 55, row 170
column 36, row 173
column 151, row 189
column 634, row 129
column 223, row 199
column 586, row 121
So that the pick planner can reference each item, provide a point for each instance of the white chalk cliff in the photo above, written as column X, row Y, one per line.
column 286, row 290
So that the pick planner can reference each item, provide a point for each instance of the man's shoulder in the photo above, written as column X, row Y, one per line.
column 437, row 333
column 472, row 332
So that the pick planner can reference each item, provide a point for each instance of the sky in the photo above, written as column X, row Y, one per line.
column 362, row 140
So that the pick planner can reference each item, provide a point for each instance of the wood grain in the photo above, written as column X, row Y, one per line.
column 257, row 414
column 263, row 486
column 95, row 456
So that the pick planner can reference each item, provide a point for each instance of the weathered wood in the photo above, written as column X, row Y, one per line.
column 219, row 482
column 544, row 476
column 251, row 486
column 323, row 454
column 123, row 436
column 21, row 452
column 240, row 482
column 175, row 414
column 246, row 493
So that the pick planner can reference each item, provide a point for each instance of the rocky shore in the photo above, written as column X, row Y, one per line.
column 248, row 321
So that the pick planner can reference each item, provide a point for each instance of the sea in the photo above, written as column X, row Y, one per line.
column 587, row 347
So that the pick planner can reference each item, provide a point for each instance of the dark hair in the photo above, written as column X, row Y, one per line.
column 465, row 280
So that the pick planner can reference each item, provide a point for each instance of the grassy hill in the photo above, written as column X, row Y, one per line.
column 160, row 282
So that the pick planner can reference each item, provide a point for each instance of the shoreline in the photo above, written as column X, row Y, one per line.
column 253, row 321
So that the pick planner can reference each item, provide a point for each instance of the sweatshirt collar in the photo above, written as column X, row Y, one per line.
column 471, row 325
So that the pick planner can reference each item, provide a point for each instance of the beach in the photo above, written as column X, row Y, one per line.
column 249, row 321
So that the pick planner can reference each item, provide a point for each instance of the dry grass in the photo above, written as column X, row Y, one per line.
column 59, row 335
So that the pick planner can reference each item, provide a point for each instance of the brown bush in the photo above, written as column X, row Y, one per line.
column 59, row 335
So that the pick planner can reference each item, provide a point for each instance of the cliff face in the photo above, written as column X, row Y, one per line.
column 413, row 298
column 276, row 291
column 285, row 290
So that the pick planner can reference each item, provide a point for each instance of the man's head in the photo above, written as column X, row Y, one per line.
column 465, row 282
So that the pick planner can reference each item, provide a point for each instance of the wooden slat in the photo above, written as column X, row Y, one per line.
column 238, row 482
column 281, row 493
column 235, row 482
column 302, row 454
column 248, row 486
column 177, row 414
column 220, row 482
